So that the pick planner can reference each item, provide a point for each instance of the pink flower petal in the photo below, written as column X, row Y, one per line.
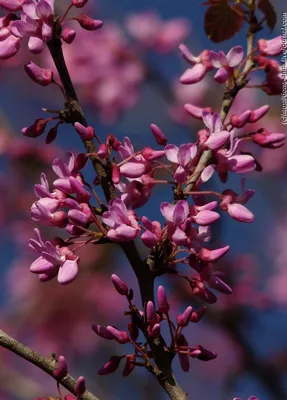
column 68, row 271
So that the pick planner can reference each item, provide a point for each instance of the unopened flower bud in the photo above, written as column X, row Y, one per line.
column 113, row 142
column 88, row 23
column 68, row 35
column 207, row 255
column 197, row 314
column 163, row 305
column 86, row 133
column 150, row 314
column 111, row 366
column 184, row 318
column 238, row 121
column 258, row 113
column 39, row 75
column 80, row 386
column 77, row 217
column 102, row 332
column 120, row 286
column 268, row 140
column 79, row 3
column 129, row 365
column 205, row 355
column 158, row 135
column 52, row 134
column 116, row 174
column 120, row 336
column 103, row 151
column 196, row 112
column 61, row 370
column 271, row 47
column 36, row 129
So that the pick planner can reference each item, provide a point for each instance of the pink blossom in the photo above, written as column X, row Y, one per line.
column 201, row 65
column 182, row 156
column 271, row 47
column 153, row 233
column 162, row 302
column 137, row 165
column 123, row 224
column 226, row 63
column 218, row 136
column 41, row 76
column 53, row 260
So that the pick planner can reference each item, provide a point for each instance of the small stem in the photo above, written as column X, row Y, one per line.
column 45, row 364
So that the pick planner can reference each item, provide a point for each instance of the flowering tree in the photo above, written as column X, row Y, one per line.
column 106, row 210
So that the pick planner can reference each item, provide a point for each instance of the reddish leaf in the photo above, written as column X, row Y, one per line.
column 268, row 10
column 221, row 21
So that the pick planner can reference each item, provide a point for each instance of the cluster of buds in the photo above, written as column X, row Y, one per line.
column 37, row 22
column 150, row 322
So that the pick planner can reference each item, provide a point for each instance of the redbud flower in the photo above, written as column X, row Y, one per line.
column 80, row 386
column 119, row 285
column 238, row 121
column 36, row 129
column 79, row 3
column 226, row 63
column 11, row 5
column 197, row 314
column 207, row 255
column 183, row 319
column 151, row 315
column 68, row 35
column 116, row 174
column 123, row 225
column 153, row 233
column 41, row 76
column 258, row 113
column 183, row 157
column 52, row 134
column 102, row 332
column 53, row 261
column 158, row 135
column 111, row 366
column 196, row 112
column 62, row 369
column 85, row 133
column 88, row 23
column 120, row 336
column 205, row 355
column 271, row 47
column 218, row 136
column 201, row 65
column 154, row 331
column 163, row 305
column 129, row 365
column 103, row 151
column 268, row 140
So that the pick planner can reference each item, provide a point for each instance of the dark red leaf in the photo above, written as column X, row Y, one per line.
column 222, row 21
column 268, row 10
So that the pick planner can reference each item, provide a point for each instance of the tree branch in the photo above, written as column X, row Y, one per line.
column 45, row 364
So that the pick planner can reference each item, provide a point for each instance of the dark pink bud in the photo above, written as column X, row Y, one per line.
column 39, row 75
column 129, row 365
column 197, row 314
column 88, row 23
column 80, row 386
column 184, row 318
column 86, row 133
column 163, row 305
column 158, row 135
column 238, row 121
column 216, row 283
column 79, row 3
column 120, row 336
column 268, row 140
column 103, row 151
column 212, row 255
column 196, row 112
column 68, row 35
column 150, row 154
column 150, row 314
column 36, row 129
column 51, row 135
column 258, row 113
column 205, row 355
column 154, row 331
column 77, row 217
column 113, row 142
column 61, row 370
column 81, row 161
column 111, row 366
column 116, row 174
column 102, row 332
column 120, row 286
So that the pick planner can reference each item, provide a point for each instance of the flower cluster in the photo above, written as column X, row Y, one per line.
column 150, row 323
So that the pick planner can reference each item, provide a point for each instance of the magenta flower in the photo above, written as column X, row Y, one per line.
column 53, row 260
column 201, row 65
column 124, row 226
column 271, row 47
column 183, row 157
column 137, row 192
column 137, row 165
column 39, row 75
column 153, row 233
column 226, row 63
column 218, row 136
